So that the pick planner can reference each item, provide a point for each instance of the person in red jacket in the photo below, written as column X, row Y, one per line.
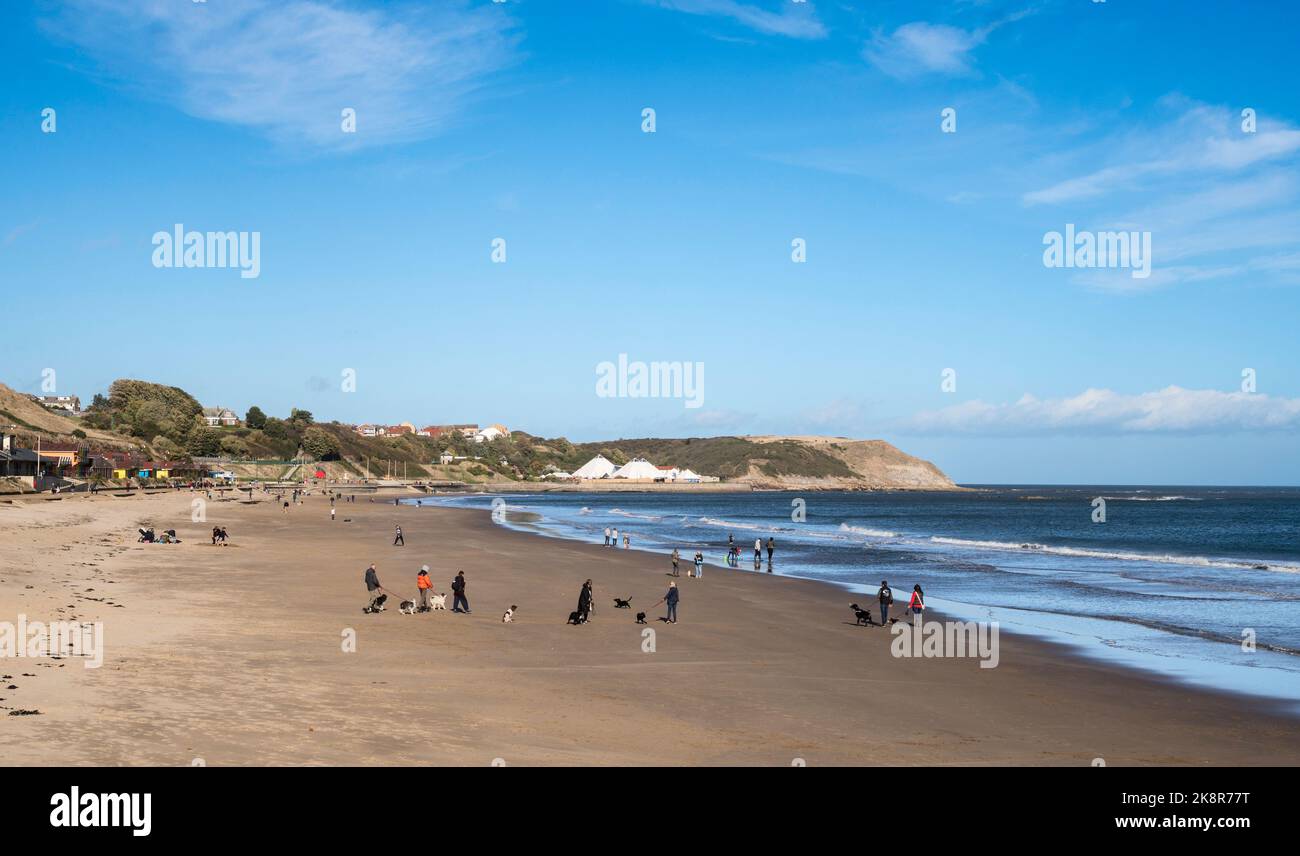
column 917, row 604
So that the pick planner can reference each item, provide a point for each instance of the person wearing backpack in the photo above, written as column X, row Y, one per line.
column 458, row 588
column 886, row 596
column 917, row 604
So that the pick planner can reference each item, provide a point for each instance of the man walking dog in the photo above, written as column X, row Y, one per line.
column 373, row 587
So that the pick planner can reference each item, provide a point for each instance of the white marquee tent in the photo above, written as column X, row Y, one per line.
column 598, row 467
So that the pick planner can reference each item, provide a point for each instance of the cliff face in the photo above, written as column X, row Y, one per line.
column 875, row 465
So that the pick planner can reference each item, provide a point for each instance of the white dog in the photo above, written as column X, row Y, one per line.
column 439, row 601
column 509, row 616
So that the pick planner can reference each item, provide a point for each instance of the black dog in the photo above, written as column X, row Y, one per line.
column 619, row 603
column 640, row 618
column 575, row 618
column 864, row 615
column 377, row 606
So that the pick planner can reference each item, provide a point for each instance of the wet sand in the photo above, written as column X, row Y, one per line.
column 235, row 656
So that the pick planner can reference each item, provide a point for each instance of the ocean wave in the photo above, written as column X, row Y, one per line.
column 653, row 518
column 1152, row 498
column 1080, row 552
column 862, row 530
column 729, row 524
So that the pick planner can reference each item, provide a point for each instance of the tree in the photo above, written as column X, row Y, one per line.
column 255, row 418
column 276, row 429
column 300, row 417
column 204, row 442
column 234, row 446
column 320, row 444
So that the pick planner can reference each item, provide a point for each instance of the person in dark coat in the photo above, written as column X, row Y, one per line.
column 584, row 601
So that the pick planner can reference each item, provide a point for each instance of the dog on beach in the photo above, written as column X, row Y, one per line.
column 864, row 615
column 575, row 617
column 377, row 606
column 406, row 607
column 640, row 618
column 439, row 601
column 620, row 603
column 509, row 616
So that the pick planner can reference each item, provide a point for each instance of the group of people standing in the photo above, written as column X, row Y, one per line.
column 915, row 604
column 611, row 538
column 424, row 588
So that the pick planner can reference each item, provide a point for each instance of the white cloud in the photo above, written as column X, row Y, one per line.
column 797, row 21
column 1170, row 410
column 921, row 48
column 288, row 69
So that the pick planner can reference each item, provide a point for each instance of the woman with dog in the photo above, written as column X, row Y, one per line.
column 424, row 585
column 671, row 597
column 584, row 602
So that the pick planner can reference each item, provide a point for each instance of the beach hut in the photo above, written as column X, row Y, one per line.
column 598, row 467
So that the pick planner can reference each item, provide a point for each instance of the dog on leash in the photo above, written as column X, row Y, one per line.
column 620, row 603
column 406, row 607
column 439, row 601
column 864, row 615
column 377, row 606
column 640, row 618
column 575, row 617
column 509, row 615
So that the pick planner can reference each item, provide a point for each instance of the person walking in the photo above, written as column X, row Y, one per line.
column 373, row 588
column 398, row 540
column 771, row 547
column 917, row 604
column 699, row 564
column 331, row 513
column 424, row 585
column 671, row 597
column 606, row 536
column 886, row 596
column 458, row 588
column 676, row 558
column 627, row 541
column 758, row 552
column 614, row 543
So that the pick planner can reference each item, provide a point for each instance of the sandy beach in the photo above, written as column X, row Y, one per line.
column 235, row 656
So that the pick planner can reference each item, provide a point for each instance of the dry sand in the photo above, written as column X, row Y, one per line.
column 235, row 656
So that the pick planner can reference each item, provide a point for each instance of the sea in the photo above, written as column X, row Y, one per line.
column 1193, row 584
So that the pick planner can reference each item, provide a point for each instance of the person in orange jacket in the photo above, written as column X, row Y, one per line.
column 425, row 585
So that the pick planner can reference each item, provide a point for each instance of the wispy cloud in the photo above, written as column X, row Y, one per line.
column 288, row 69
column 921, row 48
column 795, row 20
column 1169, row 410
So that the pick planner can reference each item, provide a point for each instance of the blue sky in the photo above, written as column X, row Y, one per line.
column 774, row 121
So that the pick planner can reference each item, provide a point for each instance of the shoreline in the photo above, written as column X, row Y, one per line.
column 233, row 655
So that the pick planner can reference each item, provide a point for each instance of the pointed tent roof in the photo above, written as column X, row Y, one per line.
column 597, row 468
column 638, row 468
